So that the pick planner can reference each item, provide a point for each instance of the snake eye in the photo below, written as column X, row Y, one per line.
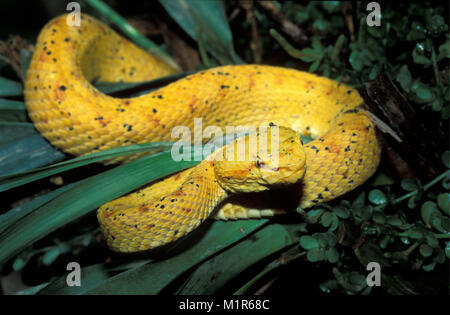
column 258, row 162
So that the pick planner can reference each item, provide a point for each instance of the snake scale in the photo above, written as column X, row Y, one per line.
column 77, row 118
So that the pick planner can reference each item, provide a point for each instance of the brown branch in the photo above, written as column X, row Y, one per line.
column 10, row 52
column 421, row 155
column 288, row 27
column 256, row 43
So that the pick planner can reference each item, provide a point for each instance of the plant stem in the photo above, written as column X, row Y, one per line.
column 131, row 32
column 295, row 53
column 415, row 192
column 435, row 67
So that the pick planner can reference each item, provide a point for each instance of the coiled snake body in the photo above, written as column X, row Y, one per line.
column 77, row 118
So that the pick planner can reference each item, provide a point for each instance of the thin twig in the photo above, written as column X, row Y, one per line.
column 256, row 43
column 288, row 27
column 415, row 192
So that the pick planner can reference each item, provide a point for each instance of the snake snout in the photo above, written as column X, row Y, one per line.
column 279, row 160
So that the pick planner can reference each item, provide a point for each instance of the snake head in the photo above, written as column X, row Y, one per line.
column 272, row 158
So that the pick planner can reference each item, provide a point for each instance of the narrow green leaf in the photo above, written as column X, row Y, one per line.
column 17, row 179
column 95, row 191
column 154, row 277
column 10, row 88
column 230, row 263
column 50, row 256
column 207, row 18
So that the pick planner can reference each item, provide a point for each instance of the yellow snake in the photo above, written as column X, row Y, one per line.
column 77, row 118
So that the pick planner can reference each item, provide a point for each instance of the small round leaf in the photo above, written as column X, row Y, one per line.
column 308, row 242
column 425, row 250
column 377, row 197
column 443, row 201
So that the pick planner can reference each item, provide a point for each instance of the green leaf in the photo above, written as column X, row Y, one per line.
column 394, row 220
column 379, row 217
column 423, row 92
column 377, row 197
column 50, row 256
column 342, row 212
column 404, row 78
column 228, row 265
column 95, row 191
column 446, row 158
column 436, row 25
column 331, row 6
column 419, row 55
column 314, row 66
column 443, row 201
column 310, row 55
column 356, row 60
column 92, row 276
column 17, row 179
column 326, row 219
column 432, row 240
column 12, row 111
column 429, row 267
column 308, row 242
column 207, row 18
column 428, row 209
column 19, row 263
column 444, row 51
column 316, row 254
column 28, row 152
column 410, row 184
column 25, row 59
column 417, row 33
column 153, row 277
column 332, row 255
column 10, row 88
column 425, row 250
column 415, row 233
column 447, row 249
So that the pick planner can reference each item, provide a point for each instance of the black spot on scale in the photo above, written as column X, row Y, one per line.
column 224, row 86
column 154, row 110
column 315, row 148
column 347, row 148
column 349, row 92
column 67, row 39
column 62, row 88
column 130, row 127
